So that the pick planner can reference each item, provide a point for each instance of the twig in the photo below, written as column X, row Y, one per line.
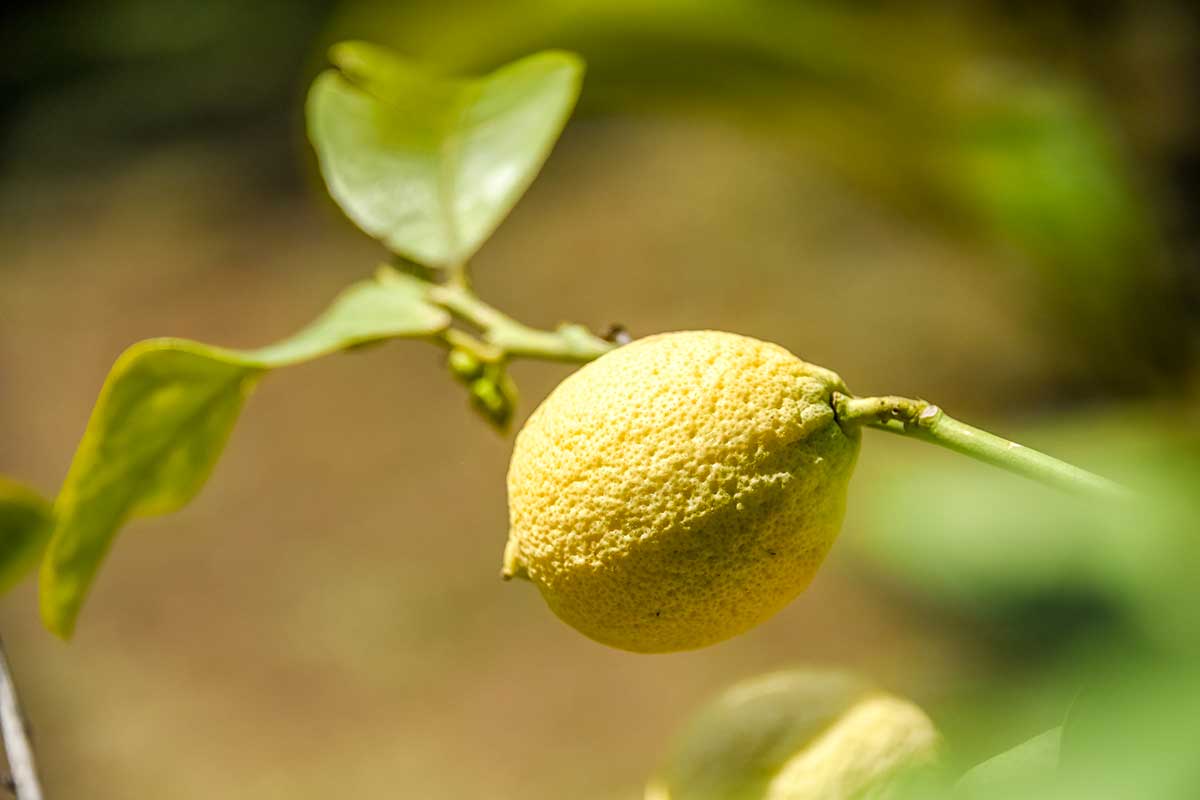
column 16, row 738
column 919, row 419
column 571, row 343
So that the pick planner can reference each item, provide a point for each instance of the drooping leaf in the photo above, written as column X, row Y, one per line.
column 429, row 165
column 24, row 527
column 164, row 414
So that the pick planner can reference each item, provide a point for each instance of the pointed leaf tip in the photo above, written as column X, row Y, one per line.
column 163, row 417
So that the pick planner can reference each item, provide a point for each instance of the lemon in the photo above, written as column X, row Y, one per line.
column 679, row 490
column 801, row 735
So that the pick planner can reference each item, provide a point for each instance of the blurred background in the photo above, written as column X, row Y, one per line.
column 991, row 204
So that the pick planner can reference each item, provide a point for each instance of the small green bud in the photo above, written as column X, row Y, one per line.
column 463, row 365
column 494, row 395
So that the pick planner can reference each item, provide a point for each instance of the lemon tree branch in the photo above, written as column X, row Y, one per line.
column 569, row 342
column 919, row 419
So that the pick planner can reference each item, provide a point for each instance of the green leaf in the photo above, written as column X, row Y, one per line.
column 24, row 528
column 163, row 417
column 1011, row 551
column 389, row 306
column 1014, row 773
column 1132, row 732
column 427, row 165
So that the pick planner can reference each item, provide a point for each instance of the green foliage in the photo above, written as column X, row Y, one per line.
column 163, row 417
column 427, row 164
column 1015, row 772
column 160, row 423
column 389, row 306
column 430, row 166
column 1132, row 732
column 995, row 546
column 938, row 126
column 25, row 520
column 1037, row 167
column 1027, row 560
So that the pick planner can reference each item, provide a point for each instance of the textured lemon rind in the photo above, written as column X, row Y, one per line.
column 679, row 490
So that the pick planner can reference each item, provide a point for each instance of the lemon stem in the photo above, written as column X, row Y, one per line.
column 919, row 419
column 569, row 342
column 501, row 337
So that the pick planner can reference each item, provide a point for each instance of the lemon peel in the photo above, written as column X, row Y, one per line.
column 679, row 490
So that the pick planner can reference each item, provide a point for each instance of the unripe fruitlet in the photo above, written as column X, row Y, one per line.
column 679, row 490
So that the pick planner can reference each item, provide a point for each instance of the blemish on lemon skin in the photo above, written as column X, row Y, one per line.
column 656, row 476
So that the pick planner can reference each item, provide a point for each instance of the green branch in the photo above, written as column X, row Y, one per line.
column 918, row 419
column 504, row 336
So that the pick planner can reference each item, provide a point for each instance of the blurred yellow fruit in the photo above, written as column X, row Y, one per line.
column 679, row 490
column 801, row 735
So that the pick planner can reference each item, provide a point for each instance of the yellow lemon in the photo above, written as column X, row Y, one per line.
column 801, row 735
column 679, row 490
